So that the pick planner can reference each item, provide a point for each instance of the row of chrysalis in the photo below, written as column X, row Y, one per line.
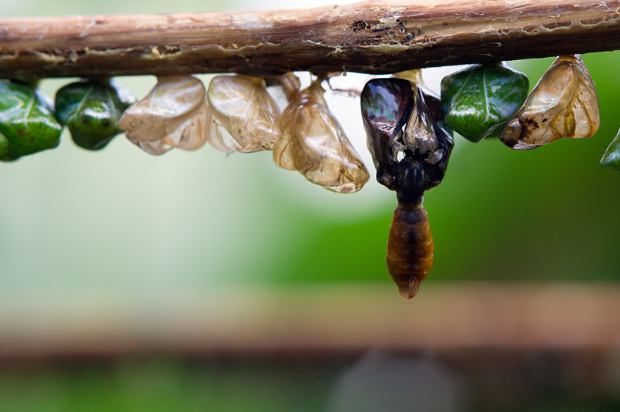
column 409, row 130
column 481, row 101
column 236, row 113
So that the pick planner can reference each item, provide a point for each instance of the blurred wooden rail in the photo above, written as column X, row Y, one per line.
column 343, row 317
column 371, row 37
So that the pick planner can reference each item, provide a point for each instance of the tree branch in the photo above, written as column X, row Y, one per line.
column 371, row 37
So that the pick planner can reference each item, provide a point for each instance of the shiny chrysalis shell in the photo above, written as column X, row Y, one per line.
column 173, row 114
column 91, row 109
column 479, row 100
column 246, row 117
column 419, row 135
column 386, row 107
column 564, row 103
column 26, row 120
column 611, row 158
column 314, row 143
column 404, row 127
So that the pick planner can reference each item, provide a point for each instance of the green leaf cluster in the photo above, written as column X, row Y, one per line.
column 91, row 109
column 481, row 99
column 27, row 122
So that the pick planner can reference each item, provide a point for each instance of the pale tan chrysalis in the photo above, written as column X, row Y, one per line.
column 246, row 117
column 564, row 103
column 314, row 143
column 173, row 114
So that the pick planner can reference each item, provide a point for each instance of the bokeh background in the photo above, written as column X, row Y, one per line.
column 121, row 225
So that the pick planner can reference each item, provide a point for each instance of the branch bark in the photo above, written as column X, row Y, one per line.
column 370, row 37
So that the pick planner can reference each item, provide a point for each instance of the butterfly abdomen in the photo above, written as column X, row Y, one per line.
column 410, row 248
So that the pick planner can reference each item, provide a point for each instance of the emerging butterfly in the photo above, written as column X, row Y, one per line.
column 411, row 147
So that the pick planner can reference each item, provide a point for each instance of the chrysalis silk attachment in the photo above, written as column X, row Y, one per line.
column 564, row 103
column 246, row 118
column 314, row 144
column 173, row 114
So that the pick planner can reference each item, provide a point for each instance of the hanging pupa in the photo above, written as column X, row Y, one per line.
column 401, row 117
column 479, row 100
column 611, row 158
column 27, row 120
column 91, row 109
column 564, row 103
column 173, row 114
column 246, row 118
column 314, row 144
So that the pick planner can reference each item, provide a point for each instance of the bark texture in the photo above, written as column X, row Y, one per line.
column 370, row 37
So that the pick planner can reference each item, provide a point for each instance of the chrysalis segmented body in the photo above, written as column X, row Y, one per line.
column 411, row 147
column 410, row 248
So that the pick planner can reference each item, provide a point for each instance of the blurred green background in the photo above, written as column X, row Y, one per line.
column 72, row 221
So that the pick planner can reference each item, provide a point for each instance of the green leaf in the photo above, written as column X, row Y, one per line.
column 91, row 109
column 611, row 158
column 26, row 120
column 481, row 99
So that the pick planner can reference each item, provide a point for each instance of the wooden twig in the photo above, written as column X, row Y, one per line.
column 371, row 37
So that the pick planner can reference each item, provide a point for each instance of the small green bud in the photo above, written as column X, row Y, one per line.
column 91, row 110
column 26, row 120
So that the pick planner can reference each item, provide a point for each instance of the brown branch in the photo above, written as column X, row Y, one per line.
column 372, row 37
column 351, row 317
